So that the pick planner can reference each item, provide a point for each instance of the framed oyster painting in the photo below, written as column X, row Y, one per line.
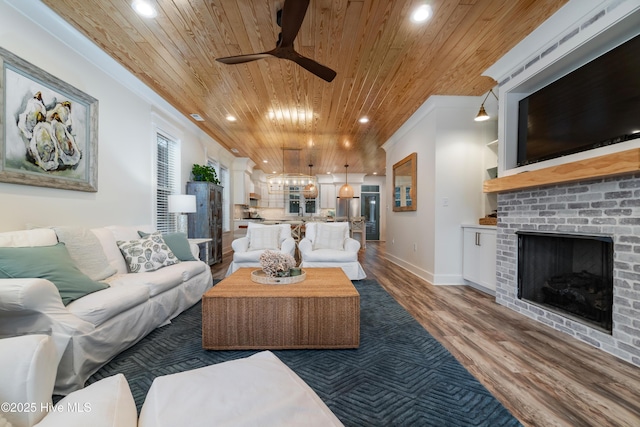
column 48, row 129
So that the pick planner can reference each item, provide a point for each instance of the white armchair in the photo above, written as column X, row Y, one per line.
column 329, row 245
column 259, row 238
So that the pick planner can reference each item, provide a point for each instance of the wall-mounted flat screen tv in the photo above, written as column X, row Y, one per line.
column 598, row 104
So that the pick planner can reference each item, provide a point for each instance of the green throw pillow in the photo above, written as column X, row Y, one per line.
column 48, row 262
column 178, row 244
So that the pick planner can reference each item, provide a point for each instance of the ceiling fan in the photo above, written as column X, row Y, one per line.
column 290, row 19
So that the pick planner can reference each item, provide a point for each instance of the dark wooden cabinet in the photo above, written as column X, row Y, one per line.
column 207, row 221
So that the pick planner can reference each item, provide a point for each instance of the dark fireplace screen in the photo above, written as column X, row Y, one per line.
column 569, row 274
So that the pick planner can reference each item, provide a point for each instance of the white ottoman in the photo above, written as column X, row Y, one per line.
column 257, row 391
column 27, row 373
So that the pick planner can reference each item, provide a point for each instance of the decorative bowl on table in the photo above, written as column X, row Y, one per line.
column 276, row 263
column 259, row 276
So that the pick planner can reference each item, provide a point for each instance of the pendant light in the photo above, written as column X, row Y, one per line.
column 482, row 114
column 346, row 191
column 310, row 190
column 289, row 183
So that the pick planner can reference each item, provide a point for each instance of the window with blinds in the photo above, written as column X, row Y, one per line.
column 167, row 180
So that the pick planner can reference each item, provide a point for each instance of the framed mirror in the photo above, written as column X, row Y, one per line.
column 405, row 184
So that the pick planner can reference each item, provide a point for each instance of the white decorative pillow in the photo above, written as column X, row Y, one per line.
column 285, row 229
column 86, row 251
column 312, row 228
column 22, row 238
column 147, row 254
column 329, row 236
column 267, row 237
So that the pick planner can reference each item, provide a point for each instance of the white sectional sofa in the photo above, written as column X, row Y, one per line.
column 90, row 330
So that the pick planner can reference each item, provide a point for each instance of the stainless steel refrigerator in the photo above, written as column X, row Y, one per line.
column 348, row 208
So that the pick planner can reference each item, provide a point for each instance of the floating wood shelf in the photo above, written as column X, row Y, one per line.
column 620, row 163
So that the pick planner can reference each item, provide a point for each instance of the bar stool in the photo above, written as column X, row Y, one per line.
column 358, row 226
column 297, row 231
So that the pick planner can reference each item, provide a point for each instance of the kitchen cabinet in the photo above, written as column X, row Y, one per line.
column 327, row 196
column 241, row 187
column 206, row 222
column 479, row 256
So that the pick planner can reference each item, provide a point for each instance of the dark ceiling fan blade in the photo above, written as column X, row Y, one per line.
column 240, row 59
column 291, row 18
column 325, row 73
column 293, row 12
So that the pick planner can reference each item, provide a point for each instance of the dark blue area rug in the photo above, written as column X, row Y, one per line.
column 400, row 375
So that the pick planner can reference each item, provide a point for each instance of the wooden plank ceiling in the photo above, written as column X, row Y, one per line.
column 387, row 67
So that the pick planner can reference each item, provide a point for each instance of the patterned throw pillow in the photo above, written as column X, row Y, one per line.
column 147, row 254
column 178, row 243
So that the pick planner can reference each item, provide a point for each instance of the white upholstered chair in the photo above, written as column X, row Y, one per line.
column 329, row 245
column 259, row 238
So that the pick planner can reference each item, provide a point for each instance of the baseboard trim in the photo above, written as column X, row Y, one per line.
column 448, row 280
column 421, row 273
column 436, row 280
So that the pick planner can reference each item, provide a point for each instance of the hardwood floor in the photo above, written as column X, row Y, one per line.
column 544, row 377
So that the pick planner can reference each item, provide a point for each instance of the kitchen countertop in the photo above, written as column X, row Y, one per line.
column 292, row 219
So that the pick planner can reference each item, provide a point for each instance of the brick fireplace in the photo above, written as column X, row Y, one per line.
column 602, row 207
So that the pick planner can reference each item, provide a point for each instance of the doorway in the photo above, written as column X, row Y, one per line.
column 370, row 210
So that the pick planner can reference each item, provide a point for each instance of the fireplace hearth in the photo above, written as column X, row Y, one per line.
column 570, row 274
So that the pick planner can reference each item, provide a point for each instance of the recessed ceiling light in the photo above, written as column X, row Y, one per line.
column 144, row 8
column 364, row 120
column 231, row 118
column 235, row 150
column 265, row 161
column 328, row 173
column 375, row 173
column 273, row 172
column 421, row 13
column 197, row 117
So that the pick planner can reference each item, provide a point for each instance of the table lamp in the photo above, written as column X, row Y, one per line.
column 182, row 204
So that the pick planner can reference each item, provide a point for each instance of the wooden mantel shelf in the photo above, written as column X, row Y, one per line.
column 624, row 162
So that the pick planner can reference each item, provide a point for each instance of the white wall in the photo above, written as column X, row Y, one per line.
column 128, row 115
column 448, row 142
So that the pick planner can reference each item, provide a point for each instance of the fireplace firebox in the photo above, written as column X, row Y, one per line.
column 569, row 274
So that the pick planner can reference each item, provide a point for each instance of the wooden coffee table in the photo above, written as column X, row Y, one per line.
column 323, row 311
